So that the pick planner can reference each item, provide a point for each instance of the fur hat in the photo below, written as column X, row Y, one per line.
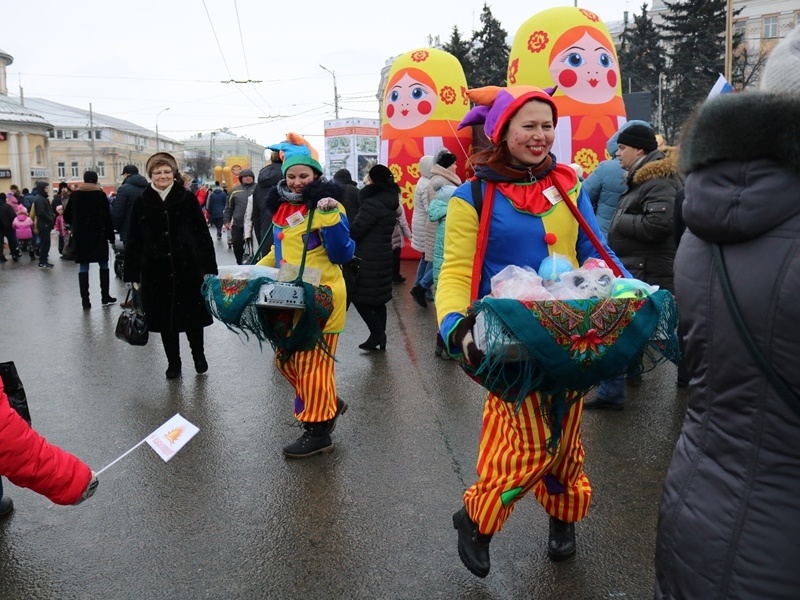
column 247, row 173
column 638, row 136
column 130, row 170
column 90, row 177
column 496, row 106
column 161, row 158
column 444, row 158
column 343, row 176
column 782, row 71
column 380, row 175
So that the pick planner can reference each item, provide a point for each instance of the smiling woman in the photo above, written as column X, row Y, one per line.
column 169, row 250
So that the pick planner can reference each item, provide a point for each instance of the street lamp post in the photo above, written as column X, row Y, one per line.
column 335, row 91
column 158, row 140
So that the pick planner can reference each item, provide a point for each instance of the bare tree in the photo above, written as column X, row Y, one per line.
column 199, row 164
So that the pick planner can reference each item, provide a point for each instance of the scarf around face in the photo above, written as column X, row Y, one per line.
column 501, row 172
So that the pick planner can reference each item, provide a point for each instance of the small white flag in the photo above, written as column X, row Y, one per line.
column 168, row 439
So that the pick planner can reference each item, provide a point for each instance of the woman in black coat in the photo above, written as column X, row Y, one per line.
column 169, row 251
column 372, row 231
column 89, row 217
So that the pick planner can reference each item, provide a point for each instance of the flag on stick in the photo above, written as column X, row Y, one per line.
column 168, row 439
column 720, row 87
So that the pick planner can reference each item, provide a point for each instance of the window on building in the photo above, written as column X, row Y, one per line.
column 771, row 27
column 97, row 133
column 60, row 134
column 75, row 133
column 75, row 168
column 68, row 134
column 101, row 168
column 51, row 133
column 39, row 155
column 740, row 30
column 62, row 170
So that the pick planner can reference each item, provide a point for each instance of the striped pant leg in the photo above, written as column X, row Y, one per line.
column 311, row 373
column 567, row 494
column 512, row 457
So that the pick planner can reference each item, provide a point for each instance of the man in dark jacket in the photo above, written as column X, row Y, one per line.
column 215, row 206
column 44, row 221
column 133, row 184
column 641, row 230
column 351, row 202
column 7, row 217
column 268, row 178
column 236, row 211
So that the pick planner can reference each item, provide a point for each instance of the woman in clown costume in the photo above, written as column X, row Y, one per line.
column 523, row 221
column 328, row 245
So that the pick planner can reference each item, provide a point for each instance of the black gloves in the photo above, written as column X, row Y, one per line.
column 462, row 339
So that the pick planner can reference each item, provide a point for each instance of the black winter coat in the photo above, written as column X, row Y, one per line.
column 268, row 178
column 641, row 230
column 729, row 523
column 131, row 188
column 89, row 218
column 169, row 250
column 372, row 231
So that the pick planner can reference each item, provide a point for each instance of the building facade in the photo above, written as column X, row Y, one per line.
column 83, row 140
column 225, row 149
column 24, row 141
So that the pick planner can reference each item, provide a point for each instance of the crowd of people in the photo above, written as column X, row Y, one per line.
column 713, row 222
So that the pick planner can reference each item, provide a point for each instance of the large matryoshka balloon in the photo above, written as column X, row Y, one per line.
column 570, row 47
column 423, row 103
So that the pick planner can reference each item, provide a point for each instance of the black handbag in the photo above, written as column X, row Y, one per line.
column 14, row 390
column 350, row 273
column 132, row 324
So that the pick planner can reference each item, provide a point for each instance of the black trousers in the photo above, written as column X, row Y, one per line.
column 237, row 239
column 375, row 318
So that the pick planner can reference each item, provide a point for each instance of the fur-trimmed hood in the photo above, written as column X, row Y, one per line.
column 658, row 164
column 716, row 132
column 312, row 193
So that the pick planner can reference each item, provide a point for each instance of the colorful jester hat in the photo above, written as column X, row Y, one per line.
column 496, row 105
column 297, row 151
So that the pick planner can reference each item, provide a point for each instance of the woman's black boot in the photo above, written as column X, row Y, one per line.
column 473, row 546
column 316, row 439
column 83, row 283
column 173, row 351
column 198, row 352
column 561, row 543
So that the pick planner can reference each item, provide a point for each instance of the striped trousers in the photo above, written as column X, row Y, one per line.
column 513, row 459
column 311, row 374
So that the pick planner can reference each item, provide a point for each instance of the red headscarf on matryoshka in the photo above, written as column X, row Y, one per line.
column 572, row 48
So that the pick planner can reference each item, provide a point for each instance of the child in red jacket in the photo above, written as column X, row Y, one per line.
column 30, row 461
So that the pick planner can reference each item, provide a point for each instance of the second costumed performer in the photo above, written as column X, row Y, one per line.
column 304, row 194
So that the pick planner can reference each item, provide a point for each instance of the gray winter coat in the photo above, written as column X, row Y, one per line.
column 729, row 523
column 641, row 231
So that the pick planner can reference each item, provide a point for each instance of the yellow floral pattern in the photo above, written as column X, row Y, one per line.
column 587, row 159
column 407, row 195
column 397, row 171
column 538, row 41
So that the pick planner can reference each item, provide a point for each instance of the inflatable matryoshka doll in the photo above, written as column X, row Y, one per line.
column 571, row 48
column 422, row 105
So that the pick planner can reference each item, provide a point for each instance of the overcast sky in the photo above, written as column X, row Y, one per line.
column 132, row 60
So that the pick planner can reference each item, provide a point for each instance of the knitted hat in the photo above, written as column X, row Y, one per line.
column 497, row 105
column 444, row 158
column 343, row 176
column 381, row 175
column 782, row 71
column 638, row 136
column 130, row 170
column 90, row 177
column 161, row 158
column 300, row 158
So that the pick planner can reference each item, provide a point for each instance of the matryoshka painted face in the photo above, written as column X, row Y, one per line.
column 409, row 103
column 586, row 71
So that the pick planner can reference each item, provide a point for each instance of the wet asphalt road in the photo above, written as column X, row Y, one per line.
column 229, row 517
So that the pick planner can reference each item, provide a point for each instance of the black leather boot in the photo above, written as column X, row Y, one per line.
column 561, row 544
column 198, row 352
column 83, row 283
column 105, row 297
column 316, row 439
column 173, row 351
column 473, row 546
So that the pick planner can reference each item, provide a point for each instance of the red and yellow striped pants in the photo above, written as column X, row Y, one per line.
column 513, row 459
column 311, row 374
